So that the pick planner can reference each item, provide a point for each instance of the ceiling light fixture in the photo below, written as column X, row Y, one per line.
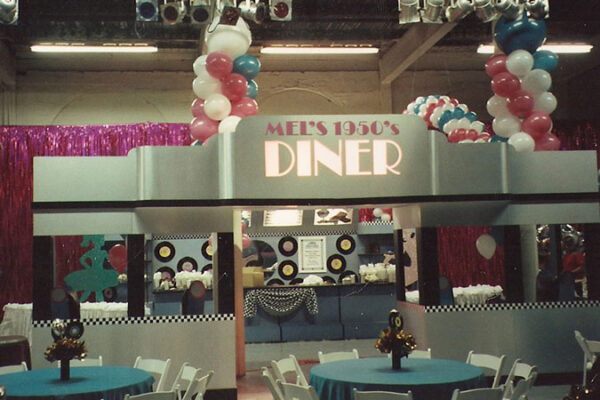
column 566, row 48
column 280, row 10
column 458, row 9
column 433, row 11
column 409, row 11
column 173, row 12
column 254, row 11
column 509, row 9
column 200, row 12
column 82, row 48
column 9, row 11
column 319, row 50
column 485, row 11
column 147, row 10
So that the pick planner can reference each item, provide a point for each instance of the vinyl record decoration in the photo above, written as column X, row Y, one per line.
column 288, row 269
column 207, row 250
column 345, row 244
column 336, row 264
column 110, row 294
column 328, row 280
column 296, row 281
column 164, row 251
column 207, row 267
column 167, row 273
column 348, row 273
column 187, row 264
column 288, row 246
column 275, row 282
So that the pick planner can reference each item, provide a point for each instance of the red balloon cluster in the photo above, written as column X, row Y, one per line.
column 222, row 97
column 521, row 105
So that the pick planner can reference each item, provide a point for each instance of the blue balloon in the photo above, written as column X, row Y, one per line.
column 252, row 91
column 471, row 116
column 246, row 65
column 497, row 138
column 444, row 118
column 520, row 34
column 458, row 113
column 545, row 59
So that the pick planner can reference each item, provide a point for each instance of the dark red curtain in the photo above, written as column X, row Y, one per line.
column 18, row 146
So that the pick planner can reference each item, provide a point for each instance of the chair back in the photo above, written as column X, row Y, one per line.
column 160, row 368
column 337, row 355
column 488, row 361
column 172, row 395
column 197, row 387
column 477, row 394
column 381, row 395
column 291, row 391
column 420, row 353
column 521, row 389
column 590, row 348
column 518, row 372
column 288, row 365
column 9, row 369
column 185, row 376
column 271, row 384
column 86, row 362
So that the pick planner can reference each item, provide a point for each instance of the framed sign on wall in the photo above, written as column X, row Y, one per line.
column 311, row 256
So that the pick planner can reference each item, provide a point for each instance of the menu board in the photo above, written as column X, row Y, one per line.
column 312, row 254
column 282, row 218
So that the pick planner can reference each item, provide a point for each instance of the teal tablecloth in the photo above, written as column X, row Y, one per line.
column 86, row 383
column 428, row 379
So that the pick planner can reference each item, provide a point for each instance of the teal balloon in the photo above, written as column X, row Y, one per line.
column 471, row 116
column 444, row 118
column 520, row 34
column 252, row 91
column 246, row 65
column 545, row 59
column 497, row 138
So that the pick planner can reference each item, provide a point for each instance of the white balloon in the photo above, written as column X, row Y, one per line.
column 519, row 62
column 545, row 102
column 217, row 106
column 229, row 124
column 486, row 245
column 435, row 116
column 506, row 126
column 477, row 125
column 199, row 64
column 377, row 212
column 496, row 106
column 450, row 126
column 386, row 217
column 463, row 123
column 536, row 81
column 522, row 142
column 203, row 88
column 233, row 40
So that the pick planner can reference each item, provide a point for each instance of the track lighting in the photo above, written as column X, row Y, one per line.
column 280, row 10
column 9, row 12
column 146, row 10
column 485, row 11
column 200, row 12
column 509, row 9
column 254, row 11
column 538, row 9
column 433, row 11
column 409, row 11
column 459, row 9
column 173, row 12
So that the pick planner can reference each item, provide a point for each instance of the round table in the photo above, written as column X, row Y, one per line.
column 86, row 383
column 428, row 379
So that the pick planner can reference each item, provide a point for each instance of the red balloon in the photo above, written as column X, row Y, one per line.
column 471, row 134
column 234, row 87
column 548, row 142
column 537, row 124
column 245, row 240
column 520, row 103
column 457, row 135
column 485, row 136
column 198, row 107
column 117, row 257
column 244, row 108
column 504, row 84
column 496, row 64
column 202, row 127
column 219, row 65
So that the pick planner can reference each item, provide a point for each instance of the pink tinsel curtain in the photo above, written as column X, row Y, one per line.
column 18, row 146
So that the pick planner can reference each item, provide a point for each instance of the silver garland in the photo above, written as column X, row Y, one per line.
column 278, row 302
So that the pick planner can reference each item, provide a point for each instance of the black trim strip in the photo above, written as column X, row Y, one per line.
column 544, row 198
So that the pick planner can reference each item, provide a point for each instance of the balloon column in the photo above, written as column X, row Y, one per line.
column 522, row 103
column 449, row 116
column 224, row 83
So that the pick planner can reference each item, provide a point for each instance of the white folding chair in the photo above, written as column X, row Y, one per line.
column 160, row 368
column 488, row 361
column 521, row 389
column 9, row 369
column 271, row 384
column 337, row 355
column 420, row 353
column 518, row 373
column 197, row 387
column 590, row 349
column 288, row 365
column 477, row 394
column 291, row 391
column 185, row 376
column 381, row 395
column 171, row 395
column 86, row 362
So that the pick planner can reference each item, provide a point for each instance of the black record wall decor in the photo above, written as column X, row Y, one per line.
column 288, row 246
column 275, row 282
column 328, row 280
column 207, row 251
column 336, row 264
column 345, row 244
column 166, row 272
column 207, row 267
column 288, row 269
column 346, row 274
column 187, row 264
column 164, row 251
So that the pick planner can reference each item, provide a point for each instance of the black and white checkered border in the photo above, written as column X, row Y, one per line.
column 154, row 319
column 180, row 237
column 377, row 223
column 512, row 306
column 349, row 231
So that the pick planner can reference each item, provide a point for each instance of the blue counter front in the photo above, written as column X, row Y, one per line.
column 344, row 312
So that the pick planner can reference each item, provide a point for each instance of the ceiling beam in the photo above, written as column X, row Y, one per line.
column 411, row 46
